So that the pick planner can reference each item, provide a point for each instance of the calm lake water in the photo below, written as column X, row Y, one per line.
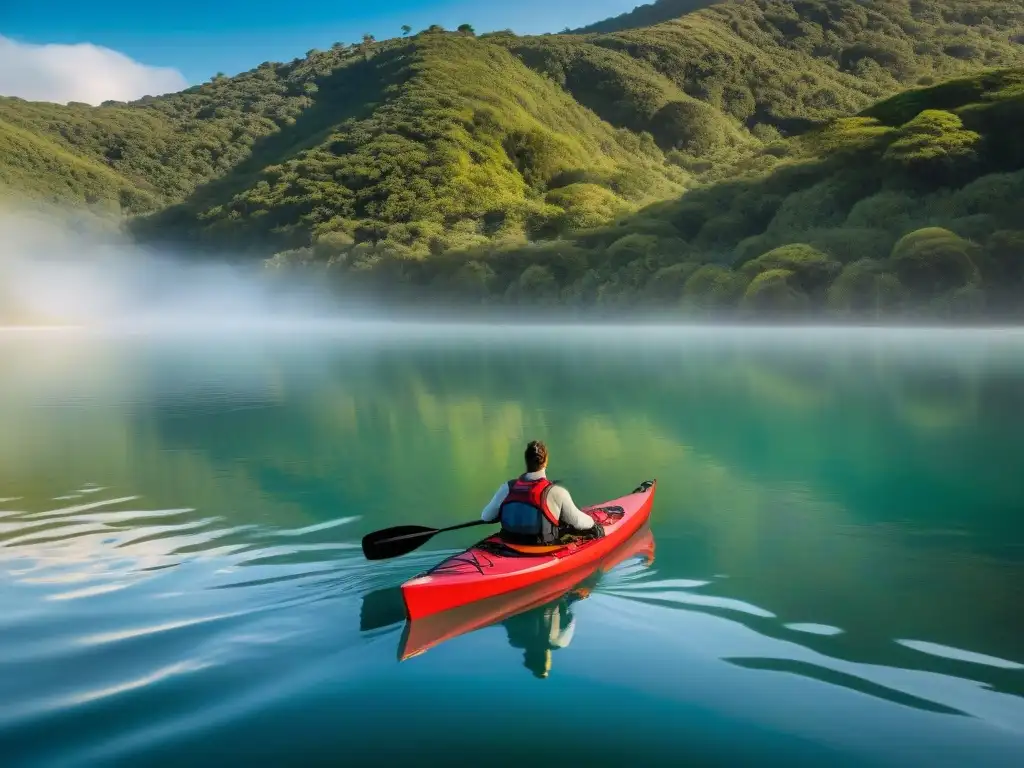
column 838, row 570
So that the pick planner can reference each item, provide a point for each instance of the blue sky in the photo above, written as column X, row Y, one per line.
column 202, row 37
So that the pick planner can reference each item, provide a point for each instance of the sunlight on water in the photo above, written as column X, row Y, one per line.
column 815, row 629
column 958, row 654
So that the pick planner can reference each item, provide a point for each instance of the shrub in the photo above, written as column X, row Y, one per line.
column 689, row 125
column 1005, row 252
column 826, row 204
column 774, row 292
column 934, row 145
column 722, row 233
column 864, row 288
column 806, row 268
column 850, row 244
column 751, row 247
column 688, row 218
column 536, row 285
column 585, row 206
column 890, row 210
column 713, row 287
column 932, row 261
column 669, row 283
column 473, row 280
column 976, row 228
column 989, row 193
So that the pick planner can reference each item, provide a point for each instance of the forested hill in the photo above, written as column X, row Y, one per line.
column 913, row 209
column 393, row 160
column 445, row 140
column 645, row 16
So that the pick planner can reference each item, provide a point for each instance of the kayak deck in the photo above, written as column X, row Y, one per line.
column 492, row 567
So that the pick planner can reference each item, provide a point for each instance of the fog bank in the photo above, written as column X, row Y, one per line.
column 69, row 270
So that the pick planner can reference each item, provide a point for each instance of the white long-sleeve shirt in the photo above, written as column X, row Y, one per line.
column 559, row 636
column 559, row 502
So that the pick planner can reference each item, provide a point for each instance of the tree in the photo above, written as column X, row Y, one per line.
column 1005, row 251
column 368, row 41
column 586, row 205
column 667, row 284
column 536, row 285
column 689, row 125
column 472, row 281
column 934, row 261
column 713, row 287
column 809, row 269
column 628, row 249
column 934, row 145
column 864, row 288
column 774, row 292
column 466, row 29
column 406, row 29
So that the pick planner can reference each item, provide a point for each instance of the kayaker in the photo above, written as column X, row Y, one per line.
column 534, row 510
column 539, row 632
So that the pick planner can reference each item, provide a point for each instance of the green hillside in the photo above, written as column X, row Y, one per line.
column 36, row 167
column 913, row 208
column 517, row 158
column 439, row 140
column 778, row 64
column 446, row 141
column 646, row 15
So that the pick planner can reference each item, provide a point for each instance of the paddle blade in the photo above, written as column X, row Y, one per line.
column 395, row 542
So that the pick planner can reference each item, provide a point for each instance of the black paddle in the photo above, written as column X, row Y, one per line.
column 395, row 542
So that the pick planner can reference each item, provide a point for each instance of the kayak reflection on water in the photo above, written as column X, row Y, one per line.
column 542, row 630
column 538, row 619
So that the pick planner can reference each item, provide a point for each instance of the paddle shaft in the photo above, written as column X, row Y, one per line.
column 439, row 530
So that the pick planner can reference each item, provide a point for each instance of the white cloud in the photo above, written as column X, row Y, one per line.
column 81, row 72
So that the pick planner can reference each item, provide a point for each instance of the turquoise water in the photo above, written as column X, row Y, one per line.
column 838, row 547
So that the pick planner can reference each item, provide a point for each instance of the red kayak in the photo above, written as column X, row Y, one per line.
column 433, row 630
column 493, row 567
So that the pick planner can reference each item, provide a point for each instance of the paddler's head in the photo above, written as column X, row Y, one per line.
column 536, row 456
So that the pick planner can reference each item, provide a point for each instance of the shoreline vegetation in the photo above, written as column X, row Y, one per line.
column 777, row 161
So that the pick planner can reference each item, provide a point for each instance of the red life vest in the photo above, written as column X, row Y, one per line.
column 533, row 493
column 525, row 515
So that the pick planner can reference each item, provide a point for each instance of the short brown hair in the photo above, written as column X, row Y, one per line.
column 536, row 456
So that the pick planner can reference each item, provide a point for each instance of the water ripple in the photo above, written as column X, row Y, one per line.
column 78, row 594
column 63, row 511
column 70, row 641
column 314, row 528
column 136, row 632
column 815, row 629
column 163, row 673
column 656, row 595
column 957, row 654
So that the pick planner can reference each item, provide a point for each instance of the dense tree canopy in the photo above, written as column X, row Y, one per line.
column 829, row 225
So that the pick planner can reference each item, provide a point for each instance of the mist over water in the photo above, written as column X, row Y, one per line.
column 68, row 270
